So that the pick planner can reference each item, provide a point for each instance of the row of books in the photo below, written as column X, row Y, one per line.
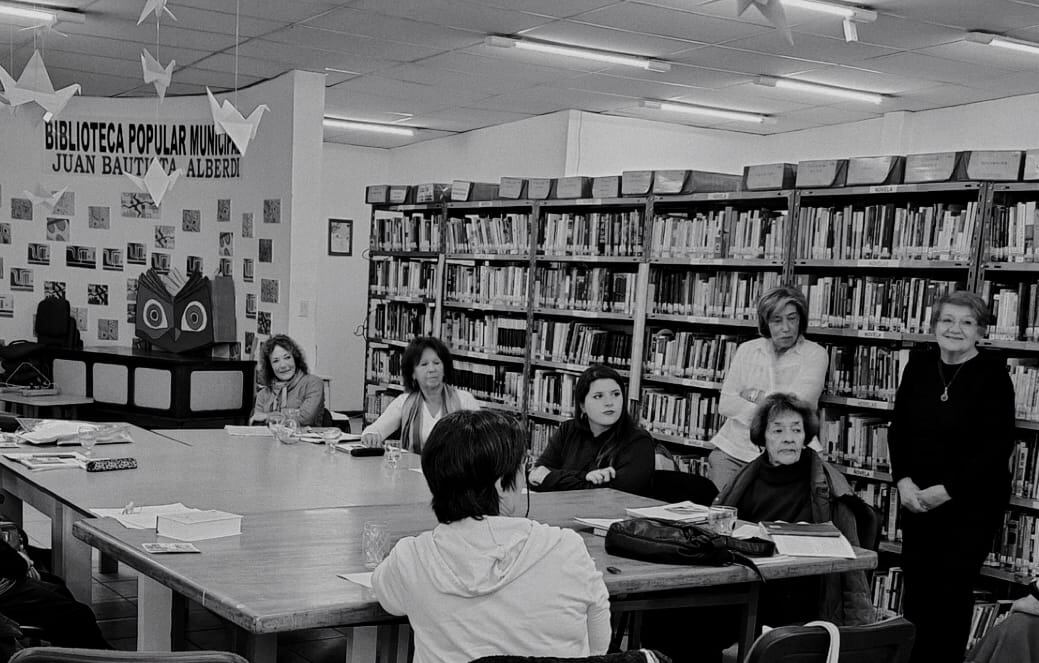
column 413, row 232
column 1015, row 310
column 986, row 614
column 1024, row 374
column 870, row 372
column 691, row 415
column 887, row 590
column 375, row 401
column 941, row 231
column 579, row 343
column 1013, row 234
column 541, row 433
column 721, row 233
column 855, row 440
column 1024, row 468
column 591, row 234
column 881, row 303
column 687, row 354
column 1016, row 545
column 476, row 332
column 552, row 392
column 692, row 464
column 504, row 285
column 396, row 321
column 488, row 382
column 580, row 288
column 403, row 278
column 727, row 295
column 383, row 365
column 504, row 234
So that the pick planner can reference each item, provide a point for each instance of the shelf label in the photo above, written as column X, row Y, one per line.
column 588, row 201
column 871, row 333
column 885, row 188
column 721, row 195
column 485, row 203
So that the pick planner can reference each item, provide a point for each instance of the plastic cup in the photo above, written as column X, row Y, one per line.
column 375, row 542
column 286, row 431
column 722, row 519
column 87, row 438
column 393, row 452
column 331, row 438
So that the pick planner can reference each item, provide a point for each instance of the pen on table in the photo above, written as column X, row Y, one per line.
column 613, row 569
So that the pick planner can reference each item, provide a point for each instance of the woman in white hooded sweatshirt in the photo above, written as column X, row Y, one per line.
column 484, row 582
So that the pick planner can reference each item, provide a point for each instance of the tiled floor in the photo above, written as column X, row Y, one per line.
column 114, row 600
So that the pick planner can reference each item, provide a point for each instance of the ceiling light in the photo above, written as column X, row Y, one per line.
column 834, row 9
column 373, row 127
column 37, row 16
column 577, row 52
column 817, row 88
column 28, row 14
column 1004, row 42
column 706, row 111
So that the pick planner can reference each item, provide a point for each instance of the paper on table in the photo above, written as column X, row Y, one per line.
column 599, row 525
column 362, row 579
column 746, row 532
column 813, row 546
column 248, row 430
column 774, row 559
column 143, row 519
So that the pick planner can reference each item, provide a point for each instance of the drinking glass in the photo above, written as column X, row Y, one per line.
column 274, row 420
column 393, row 451
column 375, row 542
column 286, row 431
column 722, row 519
column 87, row 438
column 291, row 413
column 331, row 438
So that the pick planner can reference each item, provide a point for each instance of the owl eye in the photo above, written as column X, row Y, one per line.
column 194, row 318
column 154, row 315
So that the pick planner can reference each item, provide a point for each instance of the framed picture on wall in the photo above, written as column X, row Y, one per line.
column 340, row 237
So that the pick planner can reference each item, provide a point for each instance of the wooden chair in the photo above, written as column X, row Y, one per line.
column 889, row 641
column 71, row 655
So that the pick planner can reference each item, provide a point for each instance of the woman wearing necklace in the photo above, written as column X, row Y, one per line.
column 950, row 443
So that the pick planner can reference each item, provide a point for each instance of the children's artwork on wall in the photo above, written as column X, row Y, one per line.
column 66, row 205
column 136, row 254
column 54, row 289
column 266, row 250
column 107, row 329
column 269, row 291
column 272, row 210
column 97, row 294
column 164, row 238
column 223, row 210
column 80, row 314
column 131, row 312
column 263, row 323
column 194, row 264
column 6, row 306
column 112, row 260
column 249, row 345
column 191, row 220
column 131, row 290
column 247, row 270
column 21, row 279
column 81, row 256
column 99, row 218
column 161, row 262
column 21, row 209
column 5, row 233
column 39, row 254
column 340, row 237
column 138, row 205
column 226, row 244
column 247, row 224
column 250, row 306
column 57, row 229
column 225, row 268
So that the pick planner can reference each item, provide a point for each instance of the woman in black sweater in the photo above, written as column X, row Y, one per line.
column 602, row 447
column 950, row 445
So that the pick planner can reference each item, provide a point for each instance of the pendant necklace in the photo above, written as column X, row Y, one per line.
column 945, row 385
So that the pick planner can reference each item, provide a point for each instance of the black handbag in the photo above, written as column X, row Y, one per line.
column 681, row 543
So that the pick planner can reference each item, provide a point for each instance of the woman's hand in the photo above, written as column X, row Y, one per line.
column 933, row 497
column 909, row 493
column 371, row 439
column 601, row 476
column 258, row 418
column 537, row 475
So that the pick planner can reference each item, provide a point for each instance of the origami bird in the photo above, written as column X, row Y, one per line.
column 35, row 85
column 156, row 182
column 45, row 197
column 155, row 7
column 770, row 9
column 228, row 120
column 155, row 74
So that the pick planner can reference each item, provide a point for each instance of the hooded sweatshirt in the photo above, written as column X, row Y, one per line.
column 498, row 585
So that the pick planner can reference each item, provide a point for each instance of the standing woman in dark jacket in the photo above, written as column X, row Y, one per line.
column 950, row 446
column 602, row 447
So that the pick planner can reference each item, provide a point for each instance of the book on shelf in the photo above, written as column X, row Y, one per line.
column 591, row 233
column 403, row 278
column 726, row 295
column 1013, row 235
column 1014, row 307
column 473, row 332
column 880, row 303
column 414, row 232
column 691, row 415
column 501, row 234
column 396, row 321
column 581, row 288
column 723, row 233
column 579, row 343
column 685, row 354
column 501, row 285
column 489, row 382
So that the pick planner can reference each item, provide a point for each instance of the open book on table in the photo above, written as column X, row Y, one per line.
column 49, row 460
column 800, row 528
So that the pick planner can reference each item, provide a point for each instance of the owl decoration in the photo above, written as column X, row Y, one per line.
column 181, row 314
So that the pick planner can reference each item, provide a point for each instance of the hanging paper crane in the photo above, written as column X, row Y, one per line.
column 770, row 9
column 45, row 197
column 35, row 85
column 156, row 7
column 155, row 73
column 156, row 182
column 228, row 120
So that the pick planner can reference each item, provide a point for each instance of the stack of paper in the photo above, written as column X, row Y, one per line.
column 599, row 525
column 679, row 512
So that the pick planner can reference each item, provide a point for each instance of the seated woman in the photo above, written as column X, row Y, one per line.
column 791, row 482
column 485, row 582
column 288, row 384
column 426, row 370
column 602, row 447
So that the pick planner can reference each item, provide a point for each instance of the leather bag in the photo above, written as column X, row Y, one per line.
column 681, row 543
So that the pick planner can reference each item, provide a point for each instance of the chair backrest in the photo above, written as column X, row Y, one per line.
column 675, row 486
column 868, row 521
column 71, row 655
column 55, row 325
column 889, row 641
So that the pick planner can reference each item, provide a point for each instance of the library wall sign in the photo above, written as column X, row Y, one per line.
column 122, row 147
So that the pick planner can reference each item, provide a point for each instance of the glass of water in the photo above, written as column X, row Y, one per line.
column 331, row 438
column 87, row 438
column 375, row 541
column 393, row 451
column 722, row 519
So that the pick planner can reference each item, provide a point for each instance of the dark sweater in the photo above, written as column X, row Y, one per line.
column 573, row 452
column 781, row 492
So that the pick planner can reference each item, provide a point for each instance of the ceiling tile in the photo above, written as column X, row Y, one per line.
column 812, row 47
column 521, row 73
column 683, row 25
column 940, row 96
column 550, row 7
column 543, row 99
column 983, row 54
column 448, row 79
column 669, row 118
column 456, row 14
column 821, row 116
column 272, row 10
column 625, row 87
column 257, row 69
column 741, row 97
column 403, row 90
column 743, row 61
column 333, row 41
column 206, row 19
column 987, row 15
column 863, row 79
column 890, row 31
column 465, row 119
column 352, row 22
column 377, row 108
column 305, row 57
column 608, row 39
column 681, row 74
column 934, row 69
column 215, row 79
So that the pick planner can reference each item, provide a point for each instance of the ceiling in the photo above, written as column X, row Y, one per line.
column 425, row 64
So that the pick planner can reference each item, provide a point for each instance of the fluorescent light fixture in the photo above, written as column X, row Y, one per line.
column 707, row 111
column 578, row 52
column 847, row 12
column 373, row 127
column 38, row 15
column 818, row 88
column 1029, row 47
column 27, row 14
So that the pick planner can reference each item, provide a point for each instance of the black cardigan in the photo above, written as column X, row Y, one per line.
column 572, row 452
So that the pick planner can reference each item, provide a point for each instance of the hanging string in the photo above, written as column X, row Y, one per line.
column 237, row 7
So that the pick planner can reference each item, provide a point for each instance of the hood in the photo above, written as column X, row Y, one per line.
column 478, row 557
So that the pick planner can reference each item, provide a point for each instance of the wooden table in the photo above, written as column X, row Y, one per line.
column 279, row 575
column 62, row 405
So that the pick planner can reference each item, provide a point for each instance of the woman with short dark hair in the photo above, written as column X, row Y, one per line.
column 602, row 447
column 288, row 384
column 484, row 582
column 426, row 371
